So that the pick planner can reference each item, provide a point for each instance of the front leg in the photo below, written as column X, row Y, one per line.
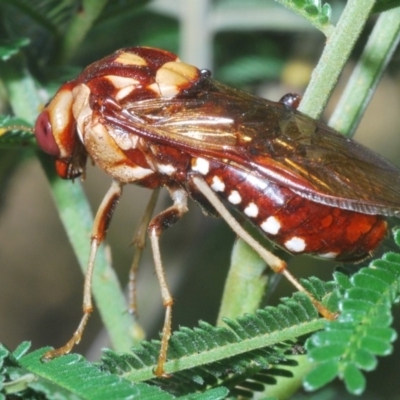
column 99, row 230
column 157, row 225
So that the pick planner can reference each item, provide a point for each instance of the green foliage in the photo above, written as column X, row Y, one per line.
column 248, row 354
column 385, row 5
column 362, row 330
column 69, row 377
column 315, row 11
column 212, row 348
column 11, row 48
column 57, row 28
column 15, row 133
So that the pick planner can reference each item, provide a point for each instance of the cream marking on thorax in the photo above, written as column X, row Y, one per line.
column 201, row 165
column 217, row 184
column 81, row 108
column 122, row 138
column 155, row 87
column 271, row 225
column 173, row 75
column 126, row 91
column 114, row 162
column 295, row 244
column 120, row 82
column 124, row 84
column 59, row 119
column 235, row 197
column 251, row 210
column 130, row 59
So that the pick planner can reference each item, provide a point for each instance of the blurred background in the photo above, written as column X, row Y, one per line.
column 256, row 45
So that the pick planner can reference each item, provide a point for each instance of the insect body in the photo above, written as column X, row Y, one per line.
column 144, row 117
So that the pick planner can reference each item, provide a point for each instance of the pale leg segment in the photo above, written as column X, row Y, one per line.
column 139, row 241
column 99, row 230
column 275, row 263
column 158, row 224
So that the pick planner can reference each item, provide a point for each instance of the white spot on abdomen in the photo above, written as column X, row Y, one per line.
column 295, row 244
column 234, row 197
column 251, row 210
column 201, row 165
column 217, row 185
column 271, row 225
column 167, row 169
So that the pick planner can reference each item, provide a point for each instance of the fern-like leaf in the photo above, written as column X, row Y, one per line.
column 15, row 133
column 210, row 356
column 68, row 377
column 72, row 377
column 361, row 332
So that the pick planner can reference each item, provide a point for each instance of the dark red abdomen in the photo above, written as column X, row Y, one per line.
column 293, row 222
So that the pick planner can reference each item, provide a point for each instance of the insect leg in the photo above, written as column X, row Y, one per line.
column 99, row 230
column 139, row 241
column 157, row 225
column 275, row 263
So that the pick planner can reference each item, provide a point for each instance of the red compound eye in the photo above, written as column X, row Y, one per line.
column 44, row 135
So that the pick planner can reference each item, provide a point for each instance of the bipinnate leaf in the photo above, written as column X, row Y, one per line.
column 15, row 133
column 361, row 332
column 68, row 377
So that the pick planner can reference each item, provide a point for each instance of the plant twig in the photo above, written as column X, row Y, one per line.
column 334, row 57
column 367, row 74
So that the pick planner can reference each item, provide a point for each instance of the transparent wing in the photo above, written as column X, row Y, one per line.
column 272, row 141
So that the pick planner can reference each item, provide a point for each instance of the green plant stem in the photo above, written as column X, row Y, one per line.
column 245, row 284
column 334, row 57
column 76, row 216
column 21, row 88
column 79, row 27
column 367, row 74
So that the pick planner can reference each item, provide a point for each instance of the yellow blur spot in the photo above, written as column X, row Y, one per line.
column 297, row 73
